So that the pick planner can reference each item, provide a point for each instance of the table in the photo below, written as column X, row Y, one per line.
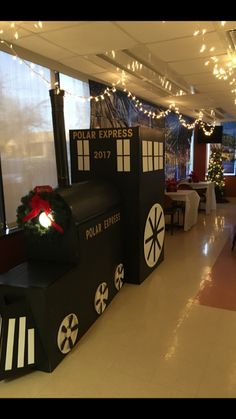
column 191, row 199
column 210, row 194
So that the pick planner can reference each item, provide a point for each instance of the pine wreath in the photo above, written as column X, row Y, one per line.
column 38, row 198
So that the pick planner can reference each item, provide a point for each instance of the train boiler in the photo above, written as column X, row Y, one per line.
column 73, row 271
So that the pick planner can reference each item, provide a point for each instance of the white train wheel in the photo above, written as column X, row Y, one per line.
column 67, row 333
column 154, row 235
column 119, row 276
column 100, row 299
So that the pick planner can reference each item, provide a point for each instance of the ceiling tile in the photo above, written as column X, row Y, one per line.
column 186, row 48
column 91, row 38
column 215, row 86
column 156, row 31
column 81, row 64
column 107, row 77
column 8, row 33
column 197, row 65
column 49, row 25
column 199, row 78
column 37, row 44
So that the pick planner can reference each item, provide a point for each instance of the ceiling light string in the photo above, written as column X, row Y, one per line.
column 110, row 90
column 21, row 60
column 200, row 122
column 107, row 92
column 173, row 108
column 223, row 71
column 15, row 28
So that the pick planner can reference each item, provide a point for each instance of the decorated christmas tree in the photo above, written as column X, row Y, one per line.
column 216, row 172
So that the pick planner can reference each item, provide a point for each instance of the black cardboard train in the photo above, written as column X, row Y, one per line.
column 114, row 234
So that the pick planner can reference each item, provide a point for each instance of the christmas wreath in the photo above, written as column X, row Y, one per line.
column 43, row 213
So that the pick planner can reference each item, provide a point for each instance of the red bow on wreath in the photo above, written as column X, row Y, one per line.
column 38, row 204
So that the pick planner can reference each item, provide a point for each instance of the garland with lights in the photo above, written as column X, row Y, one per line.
column 43, row 213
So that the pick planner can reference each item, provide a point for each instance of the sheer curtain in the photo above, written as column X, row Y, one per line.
column 26, row 135
column 76, row 108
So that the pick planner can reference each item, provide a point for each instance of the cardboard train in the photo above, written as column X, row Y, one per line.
column 115, row 235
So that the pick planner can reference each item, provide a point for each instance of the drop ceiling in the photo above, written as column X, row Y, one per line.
column 150, row 52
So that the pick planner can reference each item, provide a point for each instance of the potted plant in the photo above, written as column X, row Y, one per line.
column 171, row 185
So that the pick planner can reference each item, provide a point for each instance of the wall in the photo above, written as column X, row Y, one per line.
column 199, row 164
column 230, row 185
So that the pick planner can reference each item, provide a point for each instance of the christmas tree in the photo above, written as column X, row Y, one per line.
column 215, row 172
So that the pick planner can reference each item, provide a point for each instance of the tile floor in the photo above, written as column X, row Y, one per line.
column 161, row 338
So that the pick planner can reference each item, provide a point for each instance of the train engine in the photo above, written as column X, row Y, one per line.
column 73, row 270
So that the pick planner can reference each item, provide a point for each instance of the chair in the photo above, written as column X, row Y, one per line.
column 202, row 194
column 170, row 208
column 184, row 186
column 180, row 204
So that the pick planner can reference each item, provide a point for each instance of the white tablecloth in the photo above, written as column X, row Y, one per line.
column 191, row 199
column 210, row 194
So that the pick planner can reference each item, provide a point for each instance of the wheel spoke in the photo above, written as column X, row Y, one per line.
column 155, row 217
column 154, row 251
column 150, row 221
column 75, row 327
column 71, row 319
column 159, row 219
column 158, row 243
column 149, row 238
column 150, row 249
column 160, row 229
column 120, row 269
column 70, row 343
column 63, row 343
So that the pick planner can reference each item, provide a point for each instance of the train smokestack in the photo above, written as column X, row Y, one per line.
column 57, row 102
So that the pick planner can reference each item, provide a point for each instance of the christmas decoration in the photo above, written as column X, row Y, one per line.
column 215, row 172
column 171, row 185
column 43, row 212
column 193, row 177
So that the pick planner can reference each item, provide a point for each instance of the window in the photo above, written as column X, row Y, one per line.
column 152, row 155
column 123, row 155
column 83, row 154
column 76, row 109
column 178, row 140
column 26, row 136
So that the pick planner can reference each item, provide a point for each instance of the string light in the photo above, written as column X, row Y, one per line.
column 224, row 71
column 110, row 90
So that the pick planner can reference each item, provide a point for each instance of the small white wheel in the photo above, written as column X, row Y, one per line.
column 67, row 333
column 100, row 299
column 119, row 276
column 154, row 235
